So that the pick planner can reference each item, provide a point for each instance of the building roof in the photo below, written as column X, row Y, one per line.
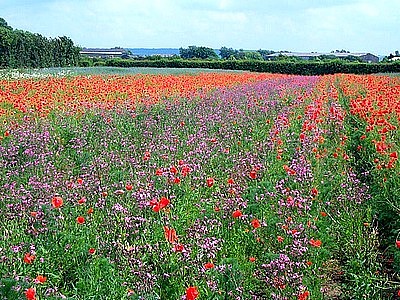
column 316, row 54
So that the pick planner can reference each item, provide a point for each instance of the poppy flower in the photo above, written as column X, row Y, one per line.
column 79, row 180
column 185, row 171
column 177, row 180
column 303, row 296
column 209, row 265
column 280, row 239
column 90, row 211
column 302, row 137
column 398, row 244
column 210, row 182
column 178, row 248
column 163, row 202
column 237, row 214
column 192, row 293
column 230, row 181
column 393, row 155
column 255, row 223
column 156, row 208
column 129, row 187
column 315, row 243
column 314, row 191
column 170, row 234
column 173, row 170
column 30, row 294
column 92, row 251
column 57, row 202
column 159, row 172
column 28, row 258
column 80, row 220
column 252, row 259
column 323, row 214
column 82, row 200
column 40, row 279
column 253, row 174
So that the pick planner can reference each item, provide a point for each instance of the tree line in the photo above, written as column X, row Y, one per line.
column 23, row 49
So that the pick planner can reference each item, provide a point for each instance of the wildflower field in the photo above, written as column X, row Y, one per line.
column 200, row 186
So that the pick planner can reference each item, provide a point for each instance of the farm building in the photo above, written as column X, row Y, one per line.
column 366, row 57
column 105, row 53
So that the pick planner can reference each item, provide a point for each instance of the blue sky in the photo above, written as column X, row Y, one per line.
column 293, row 25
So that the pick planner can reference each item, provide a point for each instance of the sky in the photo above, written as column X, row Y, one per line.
column 291, row 25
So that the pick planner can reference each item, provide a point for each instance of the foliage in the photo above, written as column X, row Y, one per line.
column 19, row 49
column 282, row 67
column 197, row 52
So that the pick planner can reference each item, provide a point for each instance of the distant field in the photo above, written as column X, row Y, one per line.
column 101, row 70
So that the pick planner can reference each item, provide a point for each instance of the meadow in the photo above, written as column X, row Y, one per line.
column 199, row 185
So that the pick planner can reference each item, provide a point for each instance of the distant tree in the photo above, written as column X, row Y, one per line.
column 198, row 52
column 249, row 55
column 4, row 24
column 227, row 53
column 20, row 49
column 396, row 53
column 265, row 53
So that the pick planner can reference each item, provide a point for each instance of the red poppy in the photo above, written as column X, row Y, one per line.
column 230, row 181
column 323, row 214
column 209, row 265
column 156, row 208
column 280, row 239
column 178, row 248
column 170, row 234
column 237, row 214
column 163, row 202
column 302, row 137
column 210, row 182
column 34, row 214
column 40, row 279
column 57, row 202
column 90, row 211
column 173, row 170
column 30, row 294
column 159, row 172
column 314, row 191
column 393, row 155
column 253, row 174
column 129, row 187
column 7, row 133
column 303, row 296
column 92, row 251
column 28, row 258
column 315, row 243
column 146, row 156
column 185, row 171
column 252, row 259
column 82, row 200
column 398, row 244
column 177, row 180
column 255, row 223
column 192, row 293
column 80, row 220
column 79, row 180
